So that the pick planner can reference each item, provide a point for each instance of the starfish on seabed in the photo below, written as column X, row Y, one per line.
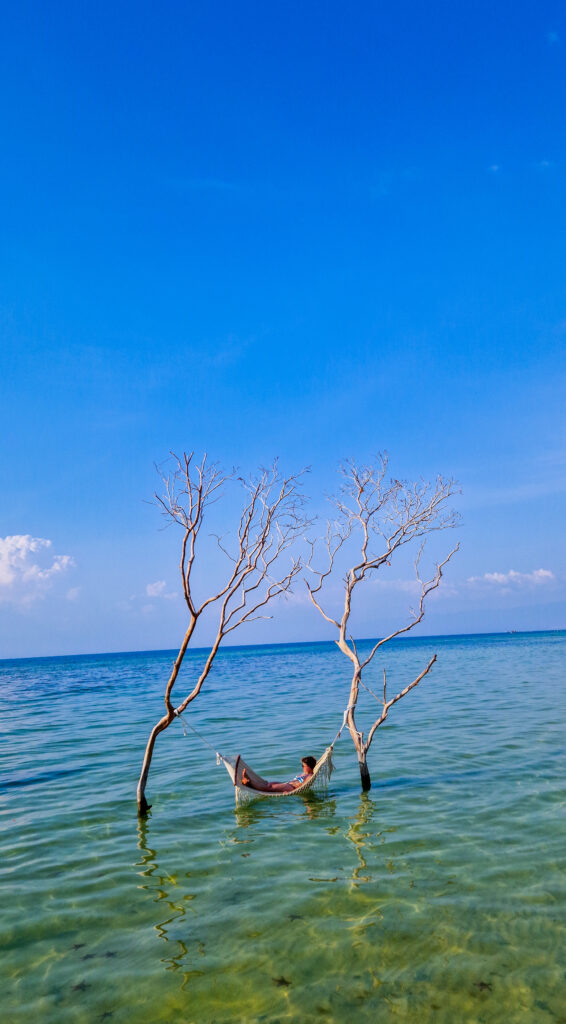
column 281, row 981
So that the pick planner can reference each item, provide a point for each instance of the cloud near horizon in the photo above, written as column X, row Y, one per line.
column 514, row 578
column 24, row 574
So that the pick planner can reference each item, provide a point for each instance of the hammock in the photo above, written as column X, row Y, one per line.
column 235, row 766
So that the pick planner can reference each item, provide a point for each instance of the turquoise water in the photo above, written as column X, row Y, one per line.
column 440, row 896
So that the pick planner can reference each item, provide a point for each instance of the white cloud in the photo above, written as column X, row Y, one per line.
column 25, row 571
column 514, row 578
column 157, row 589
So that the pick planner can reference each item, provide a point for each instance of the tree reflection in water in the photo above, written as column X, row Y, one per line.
column 359, row 833
column 161, row 886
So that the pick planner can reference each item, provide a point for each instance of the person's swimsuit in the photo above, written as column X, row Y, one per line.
column 298, row 778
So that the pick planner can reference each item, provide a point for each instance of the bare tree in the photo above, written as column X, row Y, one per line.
column 384, row 515
column 272, row 517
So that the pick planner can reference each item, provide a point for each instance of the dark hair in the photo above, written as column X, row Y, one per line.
column 310, row 761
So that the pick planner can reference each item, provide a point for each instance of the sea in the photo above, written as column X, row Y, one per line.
column 439, row 896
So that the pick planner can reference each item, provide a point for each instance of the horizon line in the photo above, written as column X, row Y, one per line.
column 285, row 643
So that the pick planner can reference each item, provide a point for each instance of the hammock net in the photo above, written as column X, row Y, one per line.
column 235, row 766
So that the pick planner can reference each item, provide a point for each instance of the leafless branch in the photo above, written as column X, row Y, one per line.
column 417, row 616
column 402, row 693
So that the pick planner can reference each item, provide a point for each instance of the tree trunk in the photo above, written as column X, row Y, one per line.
column 143, row 806
column 364, row 772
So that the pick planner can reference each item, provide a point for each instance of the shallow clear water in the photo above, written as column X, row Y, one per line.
column 439, row 896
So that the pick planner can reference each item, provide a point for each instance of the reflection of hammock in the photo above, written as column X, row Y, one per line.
column 235, row 766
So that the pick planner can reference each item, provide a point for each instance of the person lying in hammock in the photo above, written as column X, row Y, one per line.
column 307, row 763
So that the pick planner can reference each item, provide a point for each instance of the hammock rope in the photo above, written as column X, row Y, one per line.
column 235, row 766
column 186, row 726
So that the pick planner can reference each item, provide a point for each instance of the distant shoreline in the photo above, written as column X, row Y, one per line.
column 290, row 643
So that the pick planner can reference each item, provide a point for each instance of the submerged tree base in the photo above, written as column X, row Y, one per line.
column 365, row 776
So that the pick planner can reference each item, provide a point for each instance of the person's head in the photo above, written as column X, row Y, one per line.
column 308, row 763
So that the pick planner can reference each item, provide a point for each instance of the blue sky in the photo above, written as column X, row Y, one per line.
column 309, row 231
